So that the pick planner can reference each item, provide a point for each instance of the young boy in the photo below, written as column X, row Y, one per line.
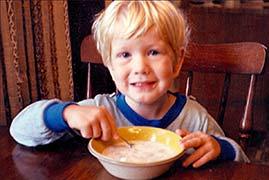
column 143, row 44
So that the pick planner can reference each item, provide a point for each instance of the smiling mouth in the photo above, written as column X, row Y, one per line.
column 143, row 85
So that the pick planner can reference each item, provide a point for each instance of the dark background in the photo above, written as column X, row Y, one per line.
column 81, row 16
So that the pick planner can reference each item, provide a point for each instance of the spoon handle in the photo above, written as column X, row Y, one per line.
column 126, row 142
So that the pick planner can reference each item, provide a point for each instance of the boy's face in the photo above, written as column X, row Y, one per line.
column 143, row 69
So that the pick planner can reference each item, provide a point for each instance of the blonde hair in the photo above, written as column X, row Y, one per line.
column 138, row 17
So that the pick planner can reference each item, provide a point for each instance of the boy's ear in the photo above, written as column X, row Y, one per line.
column 180, row 60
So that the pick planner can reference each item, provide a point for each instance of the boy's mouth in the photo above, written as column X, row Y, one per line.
column 143, row 85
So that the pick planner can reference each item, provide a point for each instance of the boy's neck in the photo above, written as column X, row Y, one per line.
column 156, row 110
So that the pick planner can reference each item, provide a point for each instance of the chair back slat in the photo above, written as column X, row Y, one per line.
column 224, row 98
column 189, row 83
column 246, row 122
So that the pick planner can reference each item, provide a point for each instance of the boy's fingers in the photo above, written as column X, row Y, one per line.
column 195, row 156
column 182, row 133
column 203, row 160
column 112, row 124
column 106, row 130
column 86, row 133
column 191, row 136
column 96, row 130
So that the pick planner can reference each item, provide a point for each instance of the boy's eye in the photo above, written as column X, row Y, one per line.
column 153, row 52
column 124, row 55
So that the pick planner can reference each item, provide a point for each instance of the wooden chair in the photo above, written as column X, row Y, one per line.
column 246, row 58
column 90, row 55
column 243, row 58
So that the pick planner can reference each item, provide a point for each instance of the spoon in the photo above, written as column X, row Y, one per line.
column 123, row 139
column 126, row 142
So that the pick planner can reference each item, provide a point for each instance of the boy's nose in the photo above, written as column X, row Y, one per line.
column 141, row 65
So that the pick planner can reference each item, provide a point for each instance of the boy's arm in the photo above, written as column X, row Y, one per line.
column 196, row 118
column 53, row 117
column 29, row 128
column 227, row 144
column 227, row 150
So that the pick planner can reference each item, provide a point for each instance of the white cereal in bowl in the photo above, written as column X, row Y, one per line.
column 140, row 152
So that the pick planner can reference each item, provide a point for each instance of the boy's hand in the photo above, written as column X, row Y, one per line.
column 91, row 121
column 206, row 148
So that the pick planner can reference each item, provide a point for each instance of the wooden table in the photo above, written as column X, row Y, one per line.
column 71, row 160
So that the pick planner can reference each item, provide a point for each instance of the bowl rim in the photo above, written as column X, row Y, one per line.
column 102, row 157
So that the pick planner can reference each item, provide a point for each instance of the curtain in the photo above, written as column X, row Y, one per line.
column 35, row 54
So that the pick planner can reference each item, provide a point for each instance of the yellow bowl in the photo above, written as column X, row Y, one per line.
column 129, row 170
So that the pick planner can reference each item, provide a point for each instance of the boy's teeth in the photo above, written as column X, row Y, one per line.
column 139, row 84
